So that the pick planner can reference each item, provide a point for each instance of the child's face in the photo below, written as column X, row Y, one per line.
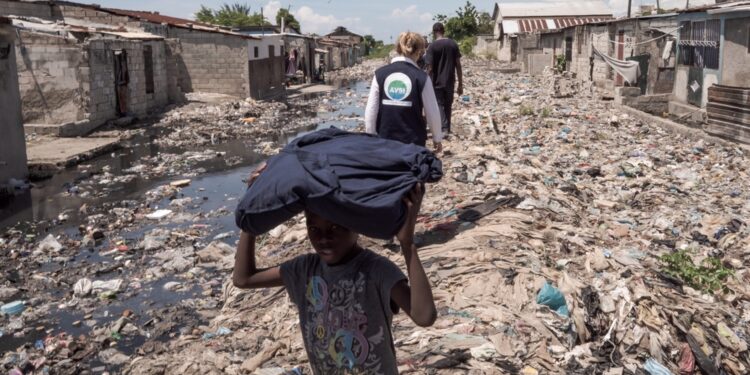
column 331, row 241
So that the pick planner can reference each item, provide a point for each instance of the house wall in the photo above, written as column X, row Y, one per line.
column 172, row 50
column 262, row 44
column 600, row 40
column 503, row 49
column 266, row 72
column 552, row 44
column 26, row 9
column 210, row 62
column 710, row 76
column 160, row 97
column 266, row 77
column 96, row 16
column 199, row 61
column 101, row 91
column 52, row 75
column 680, row 83
column 527, row 44
column 487, row 46
column 302, row 45
column 736, row 54
column 12, row 143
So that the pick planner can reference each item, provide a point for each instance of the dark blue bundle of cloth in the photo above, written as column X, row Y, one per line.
column 355, row 180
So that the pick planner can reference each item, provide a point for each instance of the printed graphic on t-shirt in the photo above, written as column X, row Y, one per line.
column 336, row 328
column 397, row 88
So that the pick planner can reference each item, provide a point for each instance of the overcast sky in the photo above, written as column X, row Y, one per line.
column 382, row 18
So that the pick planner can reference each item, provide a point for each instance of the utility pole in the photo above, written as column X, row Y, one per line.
column 630, row 2
column 657, row 7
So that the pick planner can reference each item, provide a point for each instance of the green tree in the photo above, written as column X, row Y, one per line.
column 466, row 25
column 232, row 15
column 369, row 42
column 205, row 15
column 288, row 18
column 485, row 23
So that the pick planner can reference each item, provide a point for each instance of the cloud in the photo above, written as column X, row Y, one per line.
column 411, row 13
column 323, row 24
column 270, row 10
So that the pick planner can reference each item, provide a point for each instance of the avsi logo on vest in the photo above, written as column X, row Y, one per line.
column 397, row 88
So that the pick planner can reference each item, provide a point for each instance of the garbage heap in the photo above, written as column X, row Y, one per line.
column 359, row 72
column 566, row 238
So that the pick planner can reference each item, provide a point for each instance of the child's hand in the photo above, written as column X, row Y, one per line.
column 413, row 201
column 254, row 175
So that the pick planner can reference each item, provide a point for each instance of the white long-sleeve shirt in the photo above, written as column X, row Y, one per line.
column 429, row 102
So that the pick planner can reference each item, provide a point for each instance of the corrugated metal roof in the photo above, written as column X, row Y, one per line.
column 154, row 17
column 530, row 25
column 174, row 21
column 554, row 9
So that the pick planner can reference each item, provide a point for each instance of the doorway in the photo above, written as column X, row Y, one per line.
column 122, row 78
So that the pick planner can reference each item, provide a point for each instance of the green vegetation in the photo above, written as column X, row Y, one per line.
column 708, row 277
column 371, row 44
column 466, row 25
column 288, row 18
column 525, row 110
column 234, row 15
column 466, row 45
column 560, row 63
column 380, row 52
column 546, row 112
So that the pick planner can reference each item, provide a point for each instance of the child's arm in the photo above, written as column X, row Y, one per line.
column 246, row 273
column 417, row 300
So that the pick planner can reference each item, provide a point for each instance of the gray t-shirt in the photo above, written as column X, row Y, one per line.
column 345, row 312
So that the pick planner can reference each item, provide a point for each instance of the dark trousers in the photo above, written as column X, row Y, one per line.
column 444, row 98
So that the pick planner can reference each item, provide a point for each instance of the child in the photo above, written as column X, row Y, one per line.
column 346, row 295
column 399, row 93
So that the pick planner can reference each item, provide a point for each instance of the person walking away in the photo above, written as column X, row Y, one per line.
column 399, row 94
column 346, row 295
column 443, row 60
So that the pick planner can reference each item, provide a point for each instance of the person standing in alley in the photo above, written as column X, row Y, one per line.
column 399, row 94
column 443, row 61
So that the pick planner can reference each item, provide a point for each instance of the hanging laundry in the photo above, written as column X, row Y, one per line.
column 629, row 70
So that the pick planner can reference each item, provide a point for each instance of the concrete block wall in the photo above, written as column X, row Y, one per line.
column 50, row 80
column 600, row 39
column 736, row 70
column 172, row 51
column 12, row 142
column 103, row 100
column 96, row 16
column 160, row 97
column 486, row 46
column 211, row 62
column 27, row 9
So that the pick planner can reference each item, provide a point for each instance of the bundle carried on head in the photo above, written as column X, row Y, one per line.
column 353, row 179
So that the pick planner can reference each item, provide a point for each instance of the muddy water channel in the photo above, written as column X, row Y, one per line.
column 107, row 236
